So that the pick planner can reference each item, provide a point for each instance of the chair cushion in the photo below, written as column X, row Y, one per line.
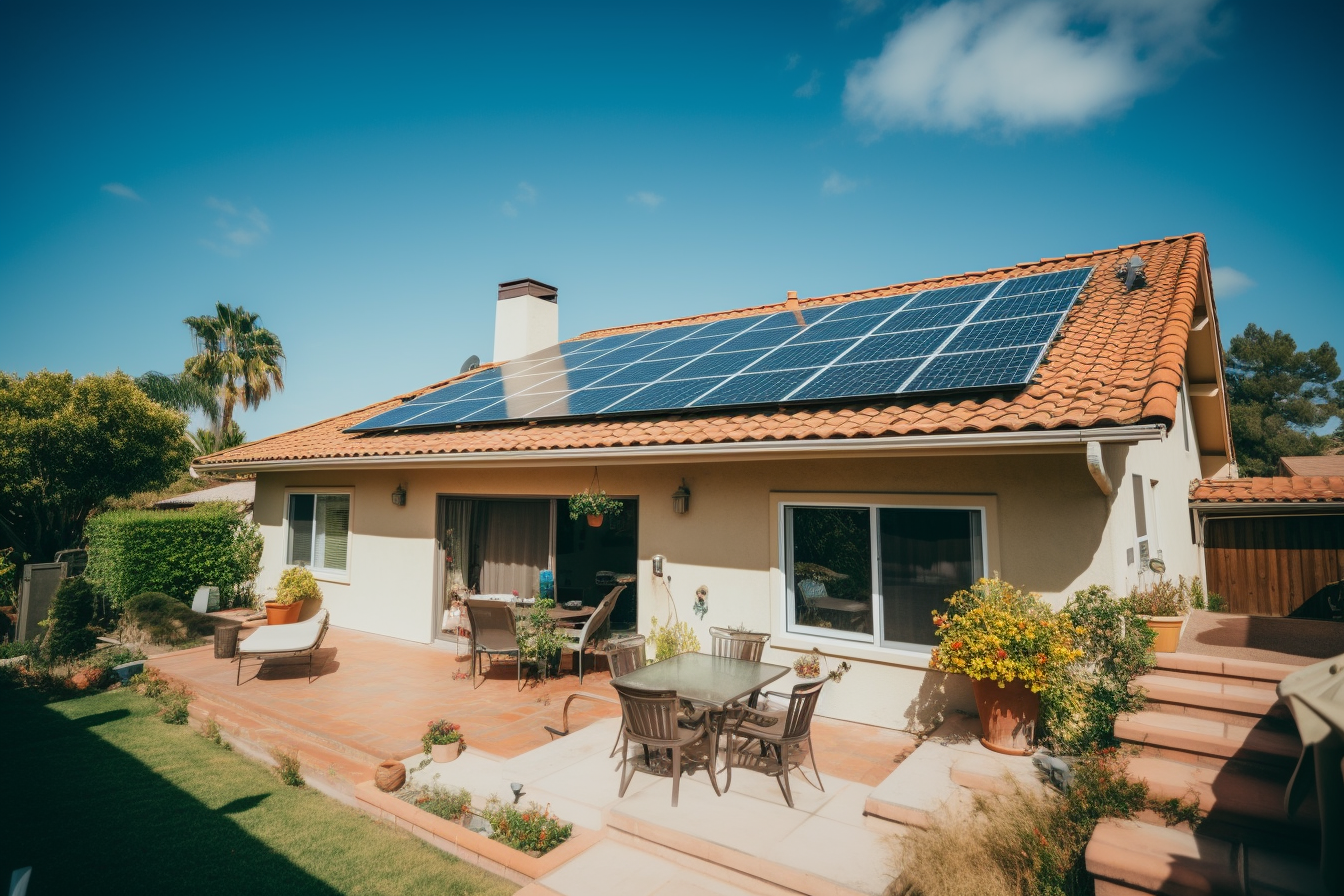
column 284, row 638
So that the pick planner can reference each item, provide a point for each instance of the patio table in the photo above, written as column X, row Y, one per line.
column 709, row 681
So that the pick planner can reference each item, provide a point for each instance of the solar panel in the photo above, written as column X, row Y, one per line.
column 980, row 336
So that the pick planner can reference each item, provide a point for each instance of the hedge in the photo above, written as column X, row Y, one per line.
column 174, row 552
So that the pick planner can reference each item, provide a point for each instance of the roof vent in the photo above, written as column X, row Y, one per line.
column 1132, row 273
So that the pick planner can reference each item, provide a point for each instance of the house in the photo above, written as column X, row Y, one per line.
column 839, row 523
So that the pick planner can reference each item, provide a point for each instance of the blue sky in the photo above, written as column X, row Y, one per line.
column 364, row 176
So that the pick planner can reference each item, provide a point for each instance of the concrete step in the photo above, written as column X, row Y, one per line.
column 1207, row 742
column 1197, row 666
column 1128, row 857
column 1239, row 704
column 330, row 772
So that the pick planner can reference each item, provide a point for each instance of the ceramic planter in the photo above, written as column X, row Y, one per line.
column 389, row 775
column 443, row 752
column 1168, row 630
column 1008, row 716
column 595, row 520
column 283, row 614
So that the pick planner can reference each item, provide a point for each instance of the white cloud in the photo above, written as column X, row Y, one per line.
column 792, row 62
column 810, row 87
column 645, row 198
column 1228, row 282
column 836, row 184
column 121, row 190
column 236, row 229
column 972, row 64
column 525, row 194
column 863, row 7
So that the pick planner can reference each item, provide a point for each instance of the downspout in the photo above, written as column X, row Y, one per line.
column 1098, row 469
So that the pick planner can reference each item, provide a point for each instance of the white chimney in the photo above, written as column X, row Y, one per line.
column 527, row 319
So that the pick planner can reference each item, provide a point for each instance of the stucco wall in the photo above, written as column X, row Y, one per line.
column 1052, row 531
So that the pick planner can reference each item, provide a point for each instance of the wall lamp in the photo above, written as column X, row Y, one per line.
column 681, row 499
column 399, row 496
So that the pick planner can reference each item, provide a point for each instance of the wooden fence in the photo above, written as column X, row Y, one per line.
column 1269, row 566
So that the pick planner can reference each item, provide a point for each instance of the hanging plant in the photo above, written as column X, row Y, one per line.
column 593, row 503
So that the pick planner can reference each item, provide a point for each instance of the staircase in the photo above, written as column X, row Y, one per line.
column 1213, row 729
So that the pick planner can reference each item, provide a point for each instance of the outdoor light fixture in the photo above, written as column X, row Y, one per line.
column 399, row 496
column 681, row 499
column 517, row 789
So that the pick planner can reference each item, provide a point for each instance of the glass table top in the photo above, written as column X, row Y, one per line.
column 705, row 679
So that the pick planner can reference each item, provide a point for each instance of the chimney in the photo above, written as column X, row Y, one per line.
column 527, row 319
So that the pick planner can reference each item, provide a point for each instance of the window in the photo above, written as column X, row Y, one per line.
column 876, row 574
column 319, row 531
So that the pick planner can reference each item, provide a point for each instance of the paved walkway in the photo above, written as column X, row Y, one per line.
column 1268, row 639
column 375, row 695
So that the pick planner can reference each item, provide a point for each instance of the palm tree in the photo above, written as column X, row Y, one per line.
column 207, row 441
column 239, row 358
column 180, row 392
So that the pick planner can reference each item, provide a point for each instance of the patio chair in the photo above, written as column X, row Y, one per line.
column 578, row 641
column 493, row 633
column 624, row 655
column 780, row 730
column 275, row 641
column 739, row 645
column 654, row 719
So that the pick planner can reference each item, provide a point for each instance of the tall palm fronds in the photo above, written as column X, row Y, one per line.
column 206, row 441
column 181, row 392
column 241, row 359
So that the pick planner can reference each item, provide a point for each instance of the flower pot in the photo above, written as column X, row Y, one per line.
column 389, row 776
column 283, row 614
column 1007, row 716
column 1168, row 629
column 443, row 752
column 595, row 519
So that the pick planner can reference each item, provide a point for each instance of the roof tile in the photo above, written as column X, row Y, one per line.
column 1270, row 489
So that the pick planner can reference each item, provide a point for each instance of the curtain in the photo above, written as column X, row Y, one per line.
column 457, row 545
column 515, row 545
column 333, row 531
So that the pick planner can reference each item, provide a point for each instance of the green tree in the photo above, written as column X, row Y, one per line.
column 1279, row 398
column 68, row 444
column 238, row 358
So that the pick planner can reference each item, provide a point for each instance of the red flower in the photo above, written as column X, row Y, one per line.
column 1001, row 654
column 957, row 645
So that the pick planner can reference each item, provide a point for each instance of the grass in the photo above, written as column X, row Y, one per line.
column 102, row 797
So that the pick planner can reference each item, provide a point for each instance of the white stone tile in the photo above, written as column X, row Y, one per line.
column 860, row 859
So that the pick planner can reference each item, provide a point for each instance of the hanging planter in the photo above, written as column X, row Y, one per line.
column 594, row 504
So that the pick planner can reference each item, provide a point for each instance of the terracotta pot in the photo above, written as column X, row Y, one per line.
column 595, row 520
column 283, row 614
column 390, row 775
column 1168, row 630
column 443, row 752
column 1007, row 716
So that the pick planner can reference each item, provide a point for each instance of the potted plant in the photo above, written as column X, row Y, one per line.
column 1011, row 645
column 443, row 740
column 1162, row 606
column 670, row 640
column 595, row 505
column 540, row 638
column 296, row 585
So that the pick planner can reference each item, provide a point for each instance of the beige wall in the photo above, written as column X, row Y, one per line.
column 1052, row 531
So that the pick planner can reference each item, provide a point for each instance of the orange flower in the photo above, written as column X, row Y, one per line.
column 957, row 645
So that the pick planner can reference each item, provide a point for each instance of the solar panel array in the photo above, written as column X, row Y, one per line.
column 961, row 338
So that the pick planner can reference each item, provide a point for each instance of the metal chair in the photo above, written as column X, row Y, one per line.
column 493, row 633
column 578, row 641
column 739, row 645
column 654, row 719
column 781, row 730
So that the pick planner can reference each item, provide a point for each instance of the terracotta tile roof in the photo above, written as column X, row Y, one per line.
column 1117, row 361
column 1327, row 465
column 1270, row 490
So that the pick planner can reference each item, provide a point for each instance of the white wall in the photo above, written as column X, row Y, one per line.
column 1053, row 532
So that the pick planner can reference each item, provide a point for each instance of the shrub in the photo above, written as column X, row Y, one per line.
column 994, row 631
column 287, row 767
column 671, row 640
column 7, row 570
column 1027, row 843
column 533, row 829
column 173, row 699
column 1162, row 598
column 174, row 552
column 155, row 618
column 444, row 802
column 67, row 623
column 297, row 583
column 11, row 649
column 1078, row 712
column 540, row 637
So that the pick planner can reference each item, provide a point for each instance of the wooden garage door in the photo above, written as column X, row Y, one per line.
column 1268, row 566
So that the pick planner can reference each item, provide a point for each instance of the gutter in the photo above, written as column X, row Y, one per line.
column 984, row 442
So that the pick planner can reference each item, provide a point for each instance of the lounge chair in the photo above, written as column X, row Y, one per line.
column 274, row 641
column 494, row 633
column 781, row 730
column 579, row 641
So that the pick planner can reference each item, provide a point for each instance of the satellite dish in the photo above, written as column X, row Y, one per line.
column 470, row 364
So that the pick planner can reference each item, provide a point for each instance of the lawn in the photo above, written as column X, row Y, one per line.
column 102, row 797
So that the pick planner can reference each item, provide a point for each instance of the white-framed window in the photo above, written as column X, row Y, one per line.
column 318, row 528
column 874, row 573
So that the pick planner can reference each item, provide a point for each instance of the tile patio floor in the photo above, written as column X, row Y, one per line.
column 374, row 695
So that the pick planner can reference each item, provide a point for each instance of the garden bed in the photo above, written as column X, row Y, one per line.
column 454, row 837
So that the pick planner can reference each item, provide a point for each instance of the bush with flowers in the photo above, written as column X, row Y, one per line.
column 532, row 829
column 994, row 631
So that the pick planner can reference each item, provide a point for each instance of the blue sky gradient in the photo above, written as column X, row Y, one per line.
column 363, row 177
